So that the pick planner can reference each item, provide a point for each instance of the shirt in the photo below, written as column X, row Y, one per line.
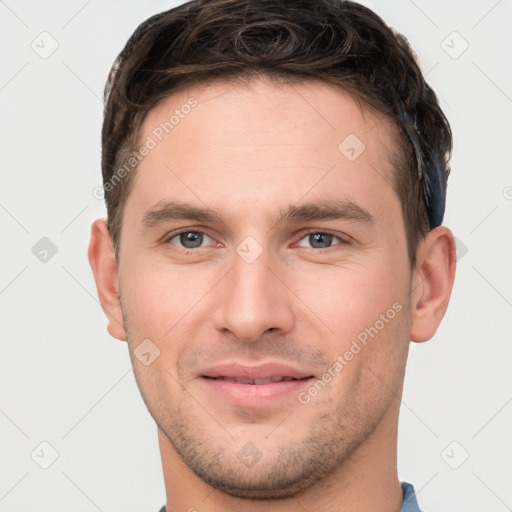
column 410, row 503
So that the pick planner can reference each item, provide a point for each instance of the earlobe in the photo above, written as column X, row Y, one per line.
column 104, row 267
column 432, row 283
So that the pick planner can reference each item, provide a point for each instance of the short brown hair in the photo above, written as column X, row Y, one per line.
column 336, row 41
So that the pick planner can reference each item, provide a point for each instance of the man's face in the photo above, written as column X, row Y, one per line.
column 271, row 284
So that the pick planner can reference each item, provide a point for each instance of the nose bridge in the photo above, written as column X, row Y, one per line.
column 252, row 300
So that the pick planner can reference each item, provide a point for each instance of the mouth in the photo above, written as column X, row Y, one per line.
column 253, row 382
column 253, row 386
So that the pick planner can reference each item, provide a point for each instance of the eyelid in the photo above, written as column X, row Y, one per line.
column 169, row 236
column 344, row 239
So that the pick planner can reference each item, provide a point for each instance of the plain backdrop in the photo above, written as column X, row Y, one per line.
column 68, row 399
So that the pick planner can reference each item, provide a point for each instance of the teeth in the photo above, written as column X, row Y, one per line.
column 257, row 381
column 244, row 381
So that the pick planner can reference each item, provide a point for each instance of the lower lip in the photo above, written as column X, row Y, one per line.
column 254, row 395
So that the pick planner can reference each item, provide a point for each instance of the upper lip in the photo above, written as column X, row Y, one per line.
column 236, row 370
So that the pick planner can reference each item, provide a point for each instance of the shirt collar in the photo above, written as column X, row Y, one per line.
column 410, row 503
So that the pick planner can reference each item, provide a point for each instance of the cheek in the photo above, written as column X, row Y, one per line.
column 156, row 295
column 347, row 299
column 368, row 358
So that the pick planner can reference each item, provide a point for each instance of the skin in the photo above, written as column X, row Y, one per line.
column 246, row 152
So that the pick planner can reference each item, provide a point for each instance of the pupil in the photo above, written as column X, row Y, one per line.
column 320, row 240
column 191, row 239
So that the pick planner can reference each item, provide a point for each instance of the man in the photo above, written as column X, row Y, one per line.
column 275, row 178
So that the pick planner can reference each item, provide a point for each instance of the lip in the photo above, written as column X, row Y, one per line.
column 261, row 371
column 254, row 395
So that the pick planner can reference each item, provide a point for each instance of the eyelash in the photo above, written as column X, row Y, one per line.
column 184, row 249
column 312, row 232
column 341, row 240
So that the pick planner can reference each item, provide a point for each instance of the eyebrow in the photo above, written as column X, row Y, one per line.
column 326, row 210
column 175, row 210
column 320, row 210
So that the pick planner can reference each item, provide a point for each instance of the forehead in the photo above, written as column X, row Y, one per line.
column 226, row 143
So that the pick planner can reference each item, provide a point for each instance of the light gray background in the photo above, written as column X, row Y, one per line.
column 65, row 382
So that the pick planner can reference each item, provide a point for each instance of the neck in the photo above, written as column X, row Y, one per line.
column 367, row 481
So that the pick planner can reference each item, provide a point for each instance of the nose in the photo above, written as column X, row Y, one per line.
column 252, row 300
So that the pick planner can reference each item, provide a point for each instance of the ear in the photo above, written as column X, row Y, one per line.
column 104, row 267
column 432, row 282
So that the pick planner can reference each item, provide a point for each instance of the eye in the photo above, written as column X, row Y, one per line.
column 189, row 239
column 320, row 240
